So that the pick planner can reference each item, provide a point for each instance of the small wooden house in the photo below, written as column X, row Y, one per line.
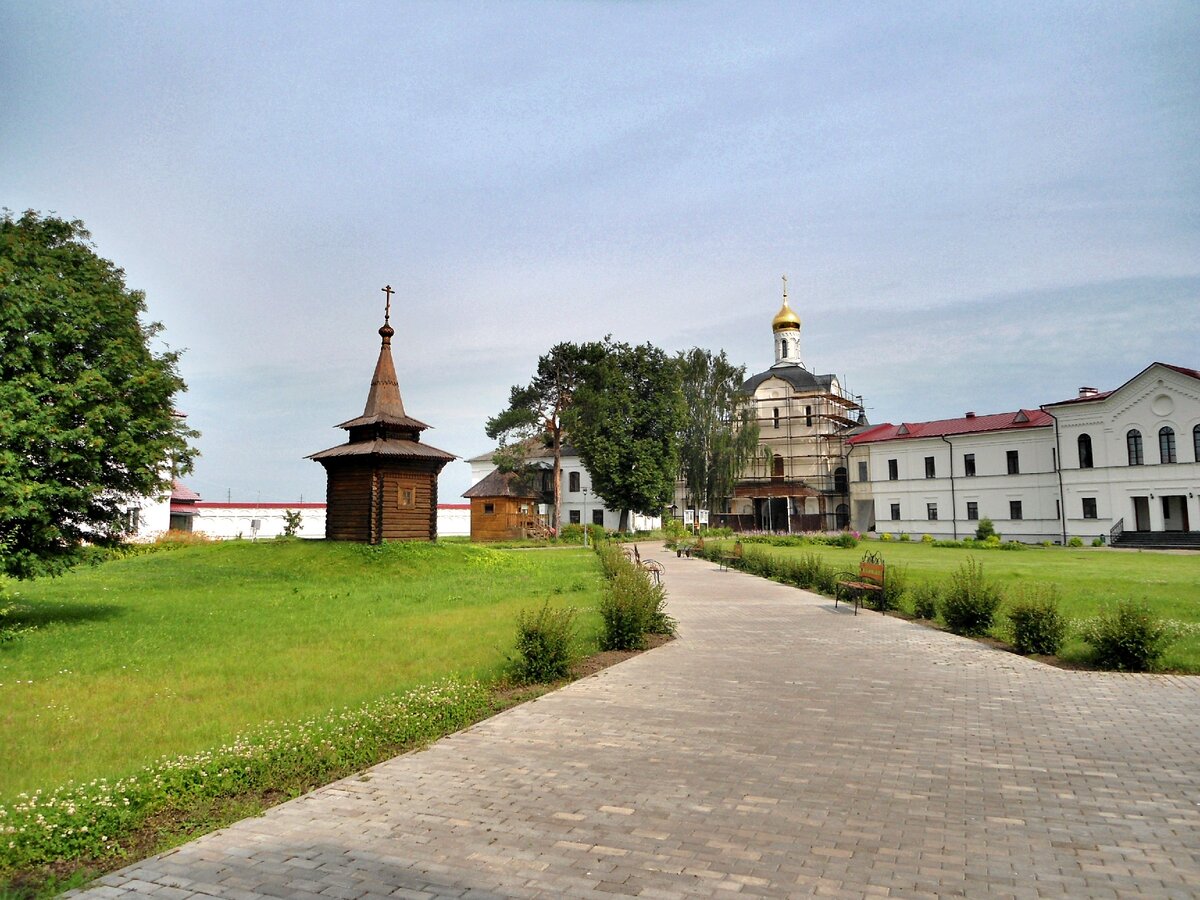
column 504, row 506
column 382, row 483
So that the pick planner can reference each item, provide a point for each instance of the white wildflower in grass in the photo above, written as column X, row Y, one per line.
column 88, row 820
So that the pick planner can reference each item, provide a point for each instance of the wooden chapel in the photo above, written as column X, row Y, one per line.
column 382, row 483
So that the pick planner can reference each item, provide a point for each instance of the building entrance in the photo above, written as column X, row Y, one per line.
column 1175, row 513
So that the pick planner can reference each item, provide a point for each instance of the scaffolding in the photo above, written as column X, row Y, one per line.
column 799, row 481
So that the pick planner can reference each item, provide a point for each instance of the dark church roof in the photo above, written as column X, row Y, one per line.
column 385, row 447
column 795, row 375
column 384, row 428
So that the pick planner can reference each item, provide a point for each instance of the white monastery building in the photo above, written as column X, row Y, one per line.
column 1120, row 465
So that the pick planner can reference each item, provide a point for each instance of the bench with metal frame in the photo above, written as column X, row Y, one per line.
column 869, row 580
column 732, row 559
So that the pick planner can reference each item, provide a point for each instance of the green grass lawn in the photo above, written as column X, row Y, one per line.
column 1088, row 579
column 177, row 651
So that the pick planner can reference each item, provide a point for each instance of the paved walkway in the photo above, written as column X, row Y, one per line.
column 778, row 748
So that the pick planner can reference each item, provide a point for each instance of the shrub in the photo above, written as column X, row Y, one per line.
column 631, row 608
column 1047, row 544
column 970, row 603
column 905, row 536
column 886, row 536
column 1098, row 541
column 927, row 539
column 612, row 558
column 1128, row 637
column 845, row 540
column 291, row 522
column 1035, row 622
column 1075, row 542
column 895, row 581
column 544, row 641
column 925, row 600
column 571, row 534
column 985, row 529
column 1013, row 545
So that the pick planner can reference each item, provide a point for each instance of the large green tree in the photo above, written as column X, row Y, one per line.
column 719, row 435
column 625, row 423
column 87, row 421
column 538, row 410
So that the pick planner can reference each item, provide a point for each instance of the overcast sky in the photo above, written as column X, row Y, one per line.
column 978, row 206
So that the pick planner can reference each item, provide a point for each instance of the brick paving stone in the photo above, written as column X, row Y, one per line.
column 778, row 748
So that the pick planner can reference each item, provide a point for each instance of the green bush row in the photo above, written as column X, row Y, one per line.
column 1127, row 637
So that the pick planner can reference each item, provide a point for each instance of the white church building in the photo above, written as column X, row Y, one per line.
column 1121, row 465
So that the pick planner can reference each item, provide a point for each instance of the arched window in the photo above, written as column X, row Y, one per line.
column 1133, row 443
column 785, row 349
column 1196, row 443
column 1166, row 444
column 775, row 417
column 777, row 466
column 840, row 479
column 842, row 514
column 1085, row 451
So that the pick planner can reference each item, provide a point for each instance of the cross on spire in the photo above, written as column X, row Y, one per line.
column 387, row 309
column 784, row 287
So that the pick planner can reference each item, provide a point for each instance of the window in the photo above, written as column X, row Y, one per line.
column 1166, row 444
column 862, row 468
column 777, row 466
column 893, row 470
column 1089, row 508
column 1014, row 509
column 840, row 477
column 131, row 520
column 931, row 512
column 489, row 509
column 1196, row 443
column 895, row 512
column 1085, row 451
column 776, row 416
column 968, row 464
column 930, row 470
column 1133, row 443
column 972, row 510
column 808, row 416
column 406, row 496
column 1014, row 462
column 574, row 517
column 783, row 344
column 597, row 517
column 573, row 482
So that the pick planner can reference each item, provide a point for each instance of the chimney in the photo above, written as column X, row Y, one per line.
column 970, row 415
column 1088, row 392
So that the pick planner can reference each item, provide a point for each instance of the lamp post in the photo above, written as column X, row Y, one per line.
column 586, row 529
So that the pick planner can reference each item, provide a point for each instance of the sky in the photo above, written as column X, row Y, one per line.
column 979, row 206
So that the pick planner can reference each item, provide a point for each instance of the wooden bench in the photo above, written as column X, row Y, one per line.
column 869, row 580
column 728, row 559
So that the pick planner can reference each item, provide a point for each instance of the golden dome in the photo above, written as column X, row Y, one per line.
column 785, row 318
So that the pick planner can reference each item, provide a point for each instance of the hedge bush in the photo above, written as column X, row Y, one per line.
column 925, row 600
column 1128, row 637
column 545, row 641
column 1035, row 623
column 970, row 602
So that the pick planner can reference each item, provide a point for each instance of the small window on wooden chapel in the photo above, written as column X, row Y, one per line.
column 489, row 509
column 406, row 496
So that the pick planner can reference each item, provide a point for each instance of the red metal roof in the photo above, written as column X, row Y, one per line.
column 182, row 493
column 1022, row 418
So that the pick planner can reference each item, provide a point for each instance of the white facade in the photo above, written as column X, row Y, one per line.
column 1069, row 469
column 905, row 492
column 1156, row 491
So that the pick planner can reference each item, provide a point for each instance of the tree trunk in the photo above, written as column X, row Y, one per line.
column 557, row 479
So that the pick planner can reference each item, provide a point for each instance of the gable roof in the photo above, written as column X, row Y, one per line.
column 535, row 449
column 503, row 484
column 1102, row 395
column 1007, row 421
